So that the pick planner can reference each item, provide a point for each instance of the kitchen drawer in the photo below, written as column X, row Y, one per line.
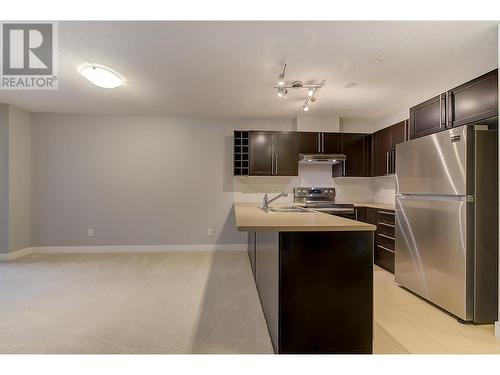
column 385, row 228
column 385, row 217
column 384, row 258
column 385, row 240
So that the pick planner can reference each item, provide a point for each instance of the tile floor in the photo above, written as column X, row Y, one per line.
column 405, row 323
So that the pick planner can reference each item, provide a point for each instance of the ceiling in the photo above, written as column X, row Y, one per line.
column 228, row 69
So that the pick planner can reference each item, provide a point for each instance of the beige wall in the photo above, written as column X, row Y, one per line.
column 144, row 180
column 318, row 123
column 19, row 179
column 4, row 178
column 15, row 183
column 135, row 180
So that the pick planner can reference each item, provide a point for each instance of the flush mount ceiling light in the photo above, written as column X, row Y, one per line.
column 312, row 89
column 102, row 77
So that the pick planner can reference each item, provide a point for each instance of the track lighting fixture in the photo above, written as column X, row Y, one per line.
column 312, row 89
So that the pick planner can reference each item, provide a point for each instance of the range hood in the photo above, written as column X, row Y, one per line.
column 328, row 159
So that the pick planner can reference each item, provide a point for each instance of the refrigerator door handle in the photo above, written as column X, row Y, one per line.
column 465, row 198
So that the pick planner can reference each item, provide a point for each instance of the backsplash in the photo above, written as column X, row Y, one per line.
column 384, row 189
column 348, row 189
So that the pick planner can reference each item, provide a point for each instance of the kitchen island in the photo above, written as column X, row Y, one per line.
column 314, row 275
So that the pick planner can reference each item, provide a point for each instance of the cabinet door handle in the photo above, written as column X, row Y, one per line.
column 322, row 142
column 386, row 224
column 386, row 236
column 318, row 142
column 385, row 248
column 272, row 162
column 386, row 212
column 387, row 162
column 442, row 119
column 344, row 167
column 276, row 164
column 449, row 112
column 393, row 159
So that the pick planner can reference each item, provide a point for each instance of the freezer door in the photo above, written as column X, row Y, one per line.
column 434, row 164
column 434, row 244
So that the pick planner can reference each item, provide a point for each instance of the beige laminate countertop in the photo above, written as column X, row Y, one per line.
column 381, row 206
column 250, row 217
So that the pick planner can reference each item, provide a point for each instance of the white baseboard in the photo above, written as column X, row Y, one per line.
column 497, row 329
column 16, row 254
column 135, row 249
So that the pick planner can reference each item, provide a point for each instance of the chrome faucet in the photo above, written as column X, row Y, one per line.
column 266, row 200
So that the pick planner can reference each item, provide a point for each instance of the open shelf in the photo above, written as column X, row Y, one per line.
column 240, row 167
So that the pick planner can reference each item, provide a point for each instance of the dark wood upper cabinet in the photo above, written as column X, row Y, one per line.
column 357, row 148
column 261, row 153
column 309, row 142
column 399, row 131
column 273, row 153
column 330, row 143
column 473, row 101
column 382, row 146
column 319, row 143
column 428, row 117
column 286, row 161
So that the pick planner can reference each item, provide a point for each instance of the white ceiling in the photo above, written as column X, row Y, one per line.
column 227, row 69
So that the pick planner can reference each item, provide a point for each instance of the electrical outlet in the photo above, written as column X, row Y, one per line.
column 210, row 232
column 90, row 232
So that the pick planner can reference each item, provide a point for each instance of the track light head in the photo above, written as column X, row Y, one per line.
column 310, row 92
column 305, row 107
column 281, row 77
column 282, row 93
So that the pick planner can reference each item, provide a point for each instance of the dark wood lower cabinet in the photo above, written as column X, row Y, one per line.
column 316, row 290
column 251, row 250
column 384, row 245
column 360, row 214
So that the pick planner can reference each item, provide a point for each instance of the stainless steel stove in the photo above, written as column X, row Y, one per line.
column 323, row 199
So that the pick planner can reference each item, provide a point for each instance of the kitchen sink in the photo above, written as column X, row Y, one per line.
column 288, row 209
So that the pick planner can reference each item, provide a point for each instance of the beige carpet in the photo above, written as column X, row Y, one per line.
column 184, row 302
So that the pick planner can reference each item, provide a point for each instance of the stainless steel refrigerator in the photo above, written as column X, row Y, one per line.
column 447, row 220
